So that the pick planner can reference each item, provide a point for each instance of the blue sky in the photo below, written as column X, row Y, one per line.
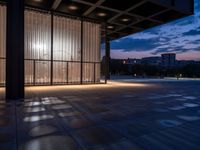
column 181, row 36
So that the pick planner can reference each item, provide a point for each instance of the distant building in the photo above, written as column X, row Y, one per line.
column 182, row 63
column 168, row 59
column 130, row 61
column 155, row 61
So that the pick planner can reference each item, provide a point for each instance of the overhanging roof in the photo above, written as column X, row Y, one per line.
column 123, row 17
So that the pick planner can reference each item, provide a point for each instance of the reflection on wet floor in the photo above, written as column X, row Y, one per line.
column 181, row 99
column 34, row 109
column 52, row 100
column 190, row 97
column 169, row 123
column 76, row 123
column 120, row 118
column 32, row 103
column 55, row 142
column 64, row 106
column 190, row 105
column 68, row 114
column 176, row 107
column 42, row 130
column 189, row 118
column 37, row 118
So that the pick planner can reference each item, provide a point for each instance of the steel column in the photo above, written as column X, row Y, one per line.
column 15, row 50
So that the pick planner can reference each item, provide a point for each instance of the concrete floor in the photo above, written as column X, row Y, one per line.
column 154, row 114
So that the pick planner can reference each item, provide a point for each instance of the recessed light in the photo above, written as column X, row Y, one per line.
column 73, row 7
column 37, row 1
column 110, row 27
column 101, row 14
column 125, row 19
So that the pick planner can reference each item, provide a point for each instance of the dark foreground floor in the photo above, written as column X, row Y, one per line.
column 121, row 116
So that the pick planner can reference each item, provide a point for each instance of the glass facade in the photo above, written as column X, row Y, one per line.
column 66, row 50
column 2, row 44
column 37, row 47
column 58, row 50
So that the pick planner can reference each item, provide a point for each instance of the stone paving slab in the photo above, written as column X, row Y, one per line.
column 161, row 115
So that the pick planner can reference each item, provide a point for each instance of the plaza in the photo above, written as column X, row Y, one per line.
column 123, row 114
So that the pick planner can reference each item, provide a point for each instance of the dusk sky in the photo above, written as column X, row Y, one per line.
column 181, row 37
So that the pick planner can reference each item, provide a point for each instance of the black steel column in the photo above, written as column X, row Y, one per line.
column 107, row 56
column 81, row 75
column 51, row 80
column 15, row 50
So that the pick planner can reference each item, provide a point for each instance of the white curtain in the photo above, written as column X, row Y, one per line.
column 66, row 49
column 37, row 47
column 91, row 52
column 2, row 44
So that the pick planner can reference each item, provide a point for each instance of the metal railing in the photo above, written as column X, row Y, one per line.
column 38, row 72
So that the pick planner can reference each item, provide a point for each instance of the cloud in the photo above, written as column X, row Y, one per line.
column 192, row 32
column 130, row 44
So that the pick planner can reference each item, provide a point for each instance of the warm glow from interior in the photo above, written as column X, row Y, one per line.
column 110, row 84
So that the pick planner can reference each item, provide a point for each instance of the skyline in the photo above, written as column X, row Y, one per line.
column 180, row 36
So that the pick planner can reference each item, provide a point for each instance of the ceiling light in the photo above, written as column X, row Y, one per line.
column 101, row 14
column 37, row 0
column 125, row 19
column 110, row 27
column 73, row 7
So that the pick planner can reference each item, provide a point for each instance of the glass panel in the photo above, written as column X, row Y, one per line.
column 37, row 35
column 97, row 72
column 60, row 72
column 37, row 47
column 91, row 42
column 66, row 49
column 67, row 39
column 91, row 52
column 88, row 72
column 29, row 71
column 42, row 72
column 74, row 72
column 2, row 44
column 2, row 71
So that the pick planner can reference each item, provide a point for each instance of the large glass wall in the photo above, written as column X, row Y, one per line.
column 37, row 47
column 66, row 50
column 91, row 52
column 2, row 44
column 55, row 52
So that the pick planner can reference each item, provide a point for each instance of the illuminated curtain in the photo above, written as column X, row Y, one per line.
column 91, row 52
column 2, row 44
column 66, row 50
column 37, row 47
